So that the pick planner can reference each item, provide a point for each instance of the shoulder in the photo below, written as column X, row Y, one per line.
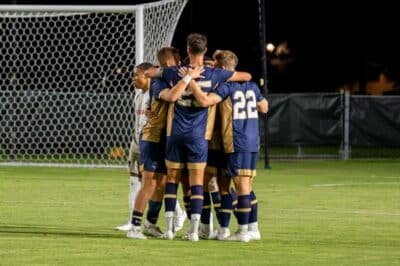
column 155, row 82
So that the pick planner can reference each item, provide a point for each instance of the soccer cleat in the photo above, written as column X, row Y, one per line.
column 124, row 227
column 191, row 236
column 239, row 236
column 136, row 233
column 206, row 233
column 179, row 220
column 150, row 229
column 254, row 235
column 169, row 235
column 223, row 233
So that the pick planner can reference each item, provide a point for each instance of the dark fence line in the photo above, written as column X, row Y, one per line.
column 304, row 120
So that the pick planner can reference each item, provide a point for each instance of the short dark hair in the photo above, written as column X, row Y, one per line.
column 197, row 43
column 144, row 66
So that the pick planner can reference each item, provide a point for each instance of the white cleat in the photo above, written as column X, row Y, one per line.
column 179, row 220
column 239, row 236
column 254, row 235
column 205, row 233
column 223, row 233
column 169, row 235
column 191, row 236
column 136, row 233
column 124, row 227
column 150, row 229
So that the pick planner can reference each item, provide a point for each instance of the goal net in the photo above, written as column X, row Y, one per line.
column 66, row 94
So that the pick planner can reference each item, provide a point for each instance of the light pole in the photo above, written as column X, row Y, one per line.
column 264, row 83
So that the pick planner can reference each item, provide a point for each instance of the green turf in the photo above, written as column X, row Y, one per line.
column 310, row 213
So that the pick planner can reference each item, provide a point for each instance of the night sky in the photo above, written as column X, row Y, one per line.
column 331, row 43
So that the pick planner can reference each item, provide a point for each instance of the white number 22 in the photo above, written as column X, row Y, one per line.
column 245, row 105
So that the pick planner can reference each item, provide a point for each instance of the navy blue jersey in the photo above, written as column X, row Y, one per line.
column 239, row 116
column 187, row 118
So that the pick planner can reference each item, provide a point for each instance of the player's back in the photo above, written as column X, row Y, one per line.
column 239, row 116
column 188, row 118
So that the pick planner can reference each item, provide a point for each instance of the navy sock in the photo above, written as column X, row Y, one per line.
column 225, row 211
column 243, row 209
column 171, row 189
column 137, row 218
column 206, row 211
column 254, row 208
column 196, row 199
column 186, row 202
column 153, row 211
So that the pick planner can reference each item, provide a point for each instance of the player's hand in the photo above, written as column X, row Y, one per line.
column 182, row 71
column 196, row 72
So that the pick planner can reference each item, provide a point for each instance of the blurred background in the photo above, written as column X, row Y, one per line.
column 314, row 47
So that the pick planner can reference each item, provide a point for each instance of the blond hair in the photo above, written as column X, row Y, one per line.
column 226, row 59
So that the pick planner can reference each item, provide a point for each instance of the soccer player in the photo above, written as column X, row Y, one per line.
column 189, row 127
column 141, row 99
column 214, row 169
column 239, row 116
column 152, row 149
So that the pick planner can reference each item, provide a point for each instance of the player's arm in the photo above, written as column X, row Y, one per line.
column 203, row 98
column 154, row 72
column 173, row 94
column 262, row 106
column 240, row 76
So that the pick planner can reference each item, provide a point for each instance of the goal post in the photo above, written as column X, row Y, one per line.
column 65, row 79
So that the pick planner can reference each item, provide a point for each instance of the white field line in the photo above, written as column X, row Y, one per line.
column 53, row 203
column 388, row 177
column 357, row 212
column 355, row 184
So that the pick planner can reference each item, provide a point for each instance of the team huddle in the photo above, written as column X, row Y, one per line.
column 195, row 125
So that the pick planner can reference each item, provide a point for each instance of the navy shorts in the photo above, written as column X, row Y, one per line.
column 242, row 164
column 183, row 151
column 152, row 157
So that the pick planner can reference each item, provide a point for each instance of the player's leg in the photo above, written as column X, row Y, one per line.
column 186, row 191
column 134, row 182
column 154, row 207
column 153, row 159
column 224, row 182
column 175, row 163
column 205, row 217
column 170, row 198
column 211, row 199
column 142, row 198
column 242, row 167
column 253, row 219
column 196, row 164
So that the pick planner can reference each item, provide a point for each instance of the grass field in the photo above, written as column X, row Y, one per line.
column 310, row 213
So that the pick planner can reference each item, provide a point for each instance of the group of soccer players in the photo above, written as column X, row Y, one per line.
column 202, row 122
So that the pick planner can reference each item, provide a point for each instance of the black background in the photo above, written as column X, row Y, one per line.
column 332, row 42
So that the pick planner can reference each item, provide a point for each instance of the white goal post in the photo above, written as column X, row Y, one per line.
column 65, row 79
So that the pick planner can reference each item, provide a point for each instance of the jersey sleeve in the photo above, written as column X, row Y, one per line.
column 156, row 86
column 223, row 75
column 223, row 91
